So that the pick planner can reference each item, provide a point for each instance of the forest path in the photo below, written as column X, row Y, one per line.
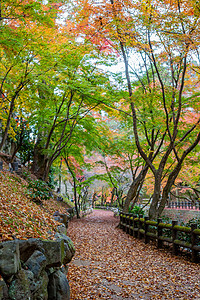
column 109, row 264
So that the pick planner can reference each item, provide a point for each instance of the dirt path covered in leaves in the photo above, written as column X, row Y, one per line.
column 109, row 264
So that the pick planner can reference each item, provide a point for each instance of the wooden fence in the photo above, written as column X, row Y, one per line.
column 160, row 232
column 184, row 205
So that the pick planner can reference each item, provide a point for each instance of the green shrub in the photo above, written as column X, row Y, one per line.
column 38, row 190
column 137, row 210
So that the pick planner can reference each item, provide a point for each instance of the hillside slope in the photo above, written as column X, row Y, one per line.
column 22, row 218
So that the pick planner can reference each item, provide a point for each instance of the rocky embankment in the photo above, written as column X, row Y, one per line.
column 35, row 269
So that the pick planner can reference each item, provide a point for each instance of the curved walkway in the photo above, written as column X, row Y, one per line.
column 109, row 264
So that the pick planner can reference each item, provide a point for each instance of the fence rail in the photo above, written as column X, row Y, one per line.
column 184, row 205
column 144, row 228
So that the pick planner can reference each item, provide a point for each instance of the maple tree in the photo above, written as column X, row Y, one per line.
column 167, row 59
column 41, row 70
column 22, row 26
column 65, row 114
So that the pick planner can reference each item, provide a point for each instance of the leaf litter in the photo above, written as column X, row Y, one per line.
column 21, row 218
column 109, row 264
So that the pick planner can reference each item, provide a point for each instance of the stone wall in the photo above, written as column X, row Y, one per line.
column 86, row 212
column 181, row 215
column 35, row 269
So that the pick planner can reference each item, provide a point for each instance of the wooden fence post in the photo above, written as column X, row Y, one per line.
column 123, row 220
column 120, row 222
column 140, row 227
column 135, row 232
column 193, row 242
column 127, row 222
column 146, row 228
column 174, row 237
column 124, row 226
column 159, row 233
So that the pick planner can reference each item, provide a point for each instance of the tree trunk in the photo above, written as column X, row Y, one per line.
column 60, row 178
column 153, row 211
column 112, row 196
column 93, row 199
column 74, row 185
column 75, row 199
column 132, row 192
column 5, row 133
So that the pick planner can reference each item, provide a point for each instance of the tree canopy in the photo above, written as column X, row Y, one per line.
column 61, row 96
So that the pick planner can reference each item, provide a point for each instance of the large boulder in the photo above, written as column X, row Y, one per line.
column 41, row 292
column 58, row 287
column 68, row 247
column 54, row 252
column 19, row 287
column 36, row 263
column 61, row 229
column 27, row 247
column 62, row 218
column 9, row 258
column 38, row 286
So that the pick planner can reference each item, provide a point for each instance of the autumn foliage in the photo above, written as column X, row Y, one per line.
column 20, row 217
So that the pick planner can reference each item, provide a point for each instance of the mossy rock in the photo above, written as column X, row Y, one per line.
column 19, row 287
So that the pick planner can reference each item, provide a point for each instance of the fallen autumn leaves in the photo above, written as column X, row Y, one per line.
column 109, row 264
column 19, row 216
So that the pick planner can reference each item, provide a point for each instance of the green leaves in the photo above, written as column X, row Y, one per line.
column 38, row 190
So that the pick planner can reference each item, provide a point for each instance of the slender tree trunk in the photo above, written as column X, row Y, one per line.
column 112, row 196
column 93, row 199
column 75, row 192
column 75, row 199
column 5, row 133
column 60, row 178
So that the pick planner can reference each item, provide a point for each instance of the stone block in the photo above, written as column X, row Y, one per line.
column 41, row 292
column 27, row 248
column 54, row 252
column 36, row 263
column 62, row 229
column 9, row 258
column 68, row 247
column 19, row 287
column 58, row 287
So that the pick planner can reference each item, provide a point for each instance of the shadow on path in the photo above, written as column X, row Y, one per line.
column 109, row 264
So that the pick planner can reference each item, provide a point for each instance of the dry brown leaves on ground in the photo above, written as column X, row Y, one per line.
column 109, row 264
column 19, row 216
